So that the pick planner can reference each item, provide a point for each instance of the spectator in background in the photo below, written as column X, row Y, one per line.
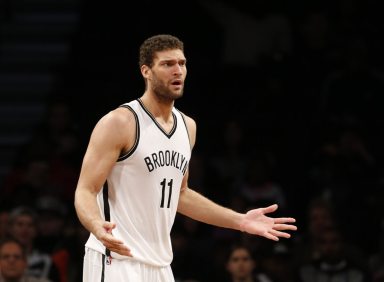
column 23, row 227
column 53, row 238
column 276, row 264
column 13, row 263
column 333, row 262
column 241, row 265
column 271, row 265
column 319, row 217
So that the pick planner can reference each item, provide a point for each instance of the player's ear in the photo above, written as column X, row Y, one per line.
column 145, row 71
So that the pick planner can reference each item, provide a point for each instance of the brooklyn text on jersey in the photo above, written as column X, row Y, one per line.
column 166, row 158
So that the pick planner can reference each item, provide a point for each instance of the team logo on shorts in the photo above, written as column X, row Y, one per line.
column 108, row 260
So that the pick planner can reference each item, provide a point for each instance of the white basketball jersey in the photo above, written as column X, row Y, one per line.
column 142, row 191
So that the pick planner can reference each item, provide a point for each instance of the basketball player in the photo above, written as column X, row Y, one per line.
column 134, row 178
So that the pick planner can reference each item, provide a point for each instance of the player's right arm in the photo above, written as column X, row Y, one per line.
column 112, row 135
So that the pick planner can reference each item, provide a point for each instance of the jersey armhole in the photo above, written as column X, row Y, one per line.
column 137, row 134
column 186, row 127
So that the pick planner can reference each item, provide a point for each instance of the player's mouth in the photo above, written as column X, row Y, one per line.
column 178, row 83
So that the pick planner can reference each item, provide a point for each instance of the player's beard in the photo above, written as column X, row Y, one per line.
column 163, row 92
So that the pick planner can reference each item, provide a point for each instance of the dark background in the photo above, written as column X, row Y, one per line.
column 294, row 90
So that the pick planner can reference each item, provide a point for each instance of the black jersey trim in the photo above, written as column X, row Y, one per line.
column 137, row 138
column 102, row 268
column 107, row 211
column 169, row 135
column 186, row 128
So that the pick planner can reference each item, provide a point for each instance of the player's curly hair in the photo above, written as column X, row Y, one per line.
column 155, row 44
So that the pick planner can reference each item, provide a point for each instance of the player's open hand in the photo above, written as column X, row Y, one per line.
column 104, row 234
column 256, row 222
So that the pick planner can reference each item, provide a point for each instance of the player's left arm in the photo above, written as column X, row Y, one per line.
column 200, row 208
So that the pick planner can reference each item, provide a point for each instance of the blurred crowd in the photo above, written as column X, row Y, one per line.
column 288, row 102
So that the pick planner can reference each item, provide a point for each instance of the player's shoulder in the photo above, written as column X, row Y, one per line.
column 190, row 124
column 189, row 121
column 120, row 117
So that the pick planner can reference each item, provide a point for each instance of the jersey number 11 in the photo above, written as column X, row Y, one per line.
column 163, row 186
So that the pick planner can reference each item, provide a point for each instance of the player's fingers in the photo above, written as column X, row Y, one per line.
column 280, row 234
column 117, row 247
column 122, row 251
column 285, row 220
column 112, row 243
column 270, row 208
column 110, row 239
column 284, row 227
column 271, row 236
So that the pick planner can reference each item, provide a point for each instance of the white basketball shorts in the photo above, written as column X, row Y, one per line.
column 98, row 268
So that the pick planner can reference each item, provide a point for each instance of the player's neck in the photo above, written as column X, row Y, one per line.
column 160, row 109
